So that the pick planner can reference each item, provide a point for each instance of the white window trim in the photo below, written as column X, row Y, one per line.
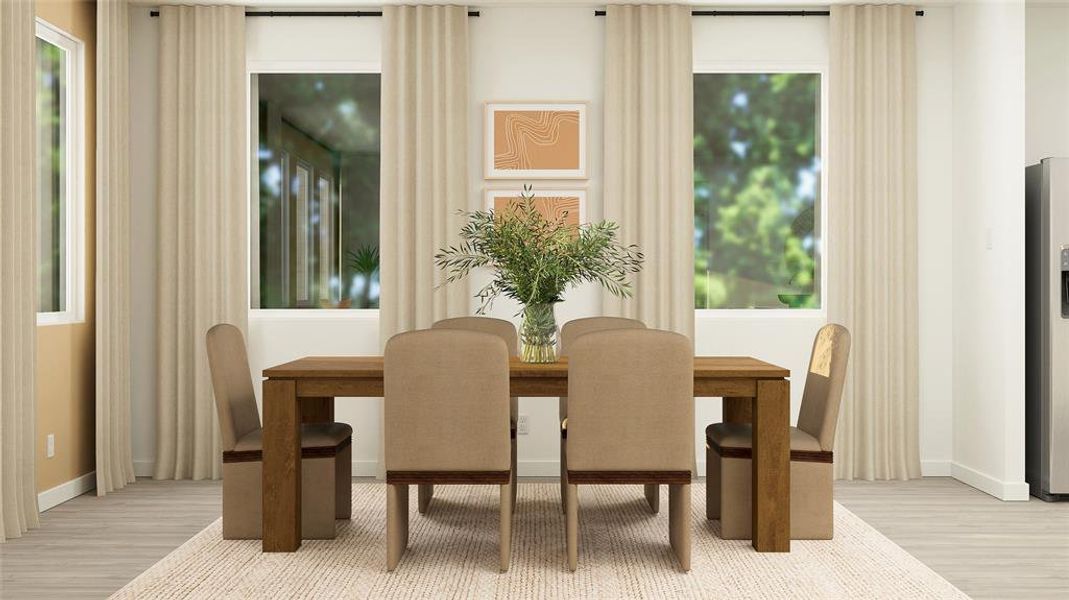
column 712, row 66
column 314, row 314
column 255, row 67
column 74, row 203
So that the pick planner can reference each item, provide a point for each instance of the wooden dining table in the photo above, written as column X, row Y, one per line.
column 304, row 391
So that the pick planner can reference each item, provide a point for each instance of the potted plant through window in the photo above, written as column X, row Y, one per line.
column 364, row 263
column 534, row 259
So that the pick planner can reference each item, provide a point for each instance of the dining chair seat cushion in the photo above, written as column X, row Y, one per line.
column 740, row 435
column 313, row 435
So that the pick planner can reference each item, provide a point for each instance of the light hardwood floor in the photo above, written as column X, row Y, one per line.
column 90, row 547
column 986, row 547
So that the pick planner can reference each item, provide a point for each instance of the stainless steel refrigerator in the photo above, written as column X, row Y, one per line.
column 1047, row 328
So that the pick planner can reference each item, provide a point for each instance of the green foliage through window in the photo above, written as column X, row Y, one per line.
column 51, row 177
column 318, row 190
column 757, row 182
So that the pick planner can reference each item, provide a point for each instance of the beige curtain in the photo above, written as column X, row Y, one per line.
column 424, row 173
column 424, row 170
column 18, row 269
column 649, row 157
column 203, row 271
column 872, row 218
column 114, row 462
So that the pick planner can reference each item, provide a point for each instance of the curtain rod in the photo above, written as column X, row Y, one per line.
column 756, row 13
column 321, row 13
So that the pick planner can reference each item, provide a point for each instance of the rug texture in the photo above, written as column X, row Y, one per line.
column 623, row 553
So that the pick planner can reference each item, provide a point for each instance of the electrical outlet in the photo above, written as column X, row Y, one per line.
column 523, row 425
column 50, row 444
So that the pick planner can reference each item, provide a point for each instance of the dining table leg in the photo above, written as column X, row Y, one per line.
column 281, row 467
column 772, row 466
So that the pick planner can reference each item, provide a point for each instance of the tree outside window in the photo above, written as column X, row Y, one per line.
column 757, row 171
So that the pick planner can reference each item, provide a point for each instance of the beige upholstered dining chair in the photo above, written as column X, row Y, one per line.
column 729, row 451
column 507, row 332
column 631, row 421
column 571, row 331
column 326, row 450
column 447, row 422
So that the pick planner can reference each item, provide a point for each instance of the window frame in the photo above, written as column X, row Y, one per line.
column 74, row 176
column 291, row 67
column 713, row 67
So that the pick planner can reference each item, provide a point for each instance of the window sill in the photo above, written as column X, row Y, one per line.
column 57, row 318
column 742, row 314
column 312, row 314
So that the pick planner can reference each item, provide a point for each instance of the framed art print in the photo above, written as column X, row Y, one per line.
column 535, row 140
column 568, row 205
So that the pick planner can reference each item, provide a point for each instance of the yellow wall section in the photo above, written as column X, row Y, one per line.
column 66, row 354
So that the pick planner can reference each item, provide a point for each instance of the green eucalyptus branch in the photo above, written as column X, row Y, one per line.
column 534, row 260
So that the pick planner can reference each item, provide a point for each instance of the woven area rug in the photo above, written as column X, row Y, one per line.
column 623, row 553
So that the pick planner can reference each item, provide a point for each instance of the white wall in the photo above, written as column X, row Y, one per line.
column 988, row 247
column 1046, row 81
column 935, row 224
column 566, row 64
column 144, row 110
column 569, row 67
column 780, row 337
column 320, row 44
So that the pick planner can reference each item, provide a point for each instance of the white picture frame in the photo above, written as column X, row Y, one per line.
column 562, row 126
column 491, row 196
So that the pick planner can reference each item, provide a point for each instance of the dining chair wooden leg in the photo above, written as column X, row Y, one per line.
column 505, row 527
column 564, row 475
column 424, row 493
column 712, row 484
column 653, row 496
column 343, row 483
column 679, row 522
column 572, row 526
column 396, row 524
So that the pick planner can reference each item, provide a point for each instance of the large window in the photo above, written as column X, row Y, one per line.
column 757, row 189
column 315, row 190
column 60, row 182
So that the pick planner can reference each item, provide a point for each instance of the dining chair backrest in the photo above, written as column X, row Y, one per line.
column 573, row 329
column 631, row 401
column 446, row 393
column 235, row 397
column 824, row 384
column 499, row 327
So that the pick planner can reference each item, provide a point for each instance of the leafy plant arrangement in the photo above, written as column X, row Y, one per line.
column 364, row 261
column 534, row 259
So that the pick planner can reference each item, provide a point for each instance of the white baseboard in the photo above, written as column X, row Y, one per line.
column 538, row 468
column 66, row 491
column 361, row 468
column 144, row 468
column 929, row 468
column 936, row 468
column 1014, row 491
column 365, row 468
column 551, row 468
column 1004, row 490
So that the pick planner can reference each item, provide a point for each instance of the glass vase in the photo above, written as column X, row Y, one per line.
column 538, row 334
